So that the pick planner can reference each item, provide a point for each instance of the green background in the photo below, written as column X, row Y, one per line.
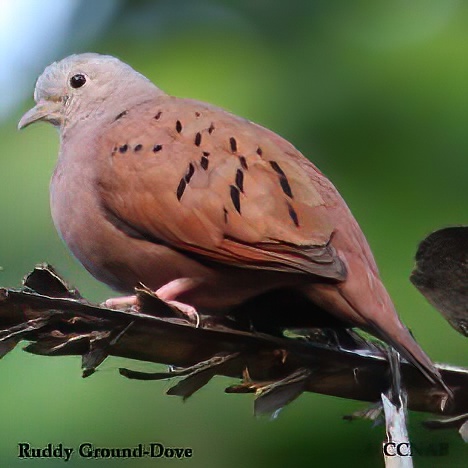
column 374, row 92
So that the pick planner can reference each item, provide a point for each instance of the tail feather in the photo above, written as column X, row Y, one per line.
column 373, row 310
column 386, row 325
column 406, row 345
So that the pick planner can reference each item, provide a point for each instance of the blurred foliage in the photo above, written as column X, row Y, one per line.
column 373, row 92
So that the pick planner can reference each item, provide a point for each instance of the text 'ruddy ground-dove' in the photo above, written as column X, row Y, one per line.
column 205, row 207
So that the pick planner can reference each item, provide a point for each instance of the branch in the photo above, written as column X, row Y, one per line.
column 57, row 321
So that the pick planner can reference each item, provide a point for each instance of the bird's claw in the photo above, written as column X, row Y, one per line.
column 127, row 302
column 187, row 310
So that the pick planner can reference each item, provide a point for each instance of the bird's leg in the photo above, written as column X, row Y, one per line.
column 123, row 302
column 167, row 293
column 175, row 288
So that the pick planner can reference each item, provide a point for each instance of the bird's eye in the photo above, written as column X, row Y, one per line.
column 77, row 81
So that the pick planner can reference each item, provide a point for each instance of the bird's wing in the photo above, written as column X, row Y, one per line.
column 219, row 187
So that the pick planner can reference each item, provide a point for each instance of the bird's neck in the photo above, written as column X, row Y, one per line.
column 102, row 111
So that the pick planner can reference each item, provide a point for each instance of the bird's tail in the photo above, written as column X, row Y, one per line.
column 399, row 337
column 370, row 307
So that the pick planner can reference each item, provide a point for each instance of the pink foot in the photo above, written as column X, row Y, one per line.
column 123, row 302
column 166, row 293
column 175, row 288
column 187, row 310
column 171, row 290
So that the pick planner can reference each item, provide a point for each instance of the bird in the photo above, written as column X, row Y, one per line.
column 207, row 209
column 441, row 274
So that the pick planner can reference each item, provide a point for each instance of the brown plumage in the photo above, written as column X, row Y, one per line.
column 151, row 188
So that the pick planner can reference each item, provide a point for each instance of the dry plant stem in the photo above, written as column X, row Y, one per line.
column 395, row 424
column 66, row 324
column 395, row 411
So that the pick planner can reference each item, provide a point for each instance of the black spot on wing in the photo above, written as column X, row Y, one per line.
column 123, row 149
column 293, row 215
column 235, row 197
column 243, row 162
column 285, row 186
column 283, row 180
column 138, row 147
column 204, row 162
column 276, row 167
column 198, row 139
column 190, row 172
column 157, row 148
column 181, row 188
column 233, row 144
column 240, row 180
column 178, row 126
column 158, row 115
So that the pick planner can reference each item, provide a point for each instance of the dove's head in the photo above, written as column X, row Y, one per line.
column 84, row 85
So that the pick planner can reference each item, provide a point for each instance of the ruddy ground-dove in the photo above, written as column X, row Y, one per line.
column 200, row 205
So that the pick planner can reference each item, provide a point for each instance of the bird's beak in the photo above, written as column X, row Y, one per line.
column 47, row 110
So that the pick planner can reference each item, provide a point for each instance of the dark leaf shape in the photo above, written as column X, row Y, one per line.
column 441, row 274
column 45, row 280
column 273, row 397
